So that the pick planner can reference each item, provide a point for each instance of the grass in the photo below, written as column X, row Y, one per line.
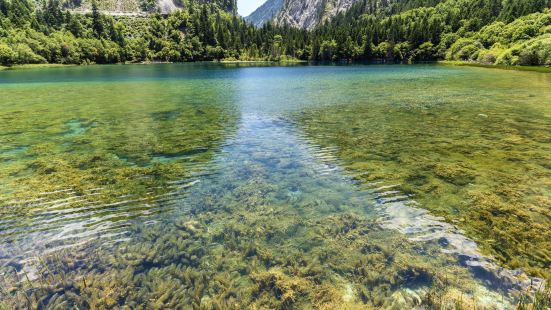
column 33, row 66
column 541, row 69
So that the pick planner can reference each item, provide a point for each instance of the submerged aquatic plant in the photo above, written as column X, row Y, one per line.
column 225, row 253
column 169, row 196
column 476, row 152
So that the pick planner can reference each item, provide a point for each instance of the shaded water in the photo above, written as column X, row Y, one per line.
column 226, row 186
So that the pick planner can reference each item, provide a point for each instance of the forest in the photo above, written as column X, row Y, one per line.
column 503, row 32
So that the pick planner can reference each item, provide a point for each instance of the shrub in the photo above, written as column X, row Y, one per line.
column 25, row 55
column 490, row 56
column 425, row 51
column 528, row 57
column 464, row 49
column 507, row 59
column 6, row 54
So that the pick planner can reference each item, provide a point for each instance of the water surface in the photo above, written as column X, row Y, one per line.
column 205, row 185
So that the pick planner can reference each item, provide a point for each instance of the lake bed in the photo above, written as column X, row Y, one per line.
column 232, row 186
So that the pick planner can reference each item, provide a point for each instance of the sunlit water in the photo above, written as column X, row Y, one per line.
column 228, row 186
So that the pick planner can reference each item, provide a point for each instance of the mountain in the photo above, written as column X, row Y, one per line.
column 265, row 12
column 142, row 7
column 310, row 13
column 307, row 14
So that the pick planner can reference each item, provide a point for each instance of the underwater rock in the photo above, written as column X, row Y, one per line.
column 420, row 225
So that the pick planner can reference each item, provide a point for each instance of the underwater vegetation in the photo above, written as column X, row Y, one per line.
column 266, row 188
column 477, row 152
column 232, row 255
column 132, row 144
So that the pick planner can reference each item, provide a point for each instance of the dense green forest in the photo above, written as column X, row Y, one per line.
column 510, row 32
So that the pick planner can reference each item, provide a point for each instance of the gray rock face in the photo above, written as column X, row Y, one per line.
column 265, row 12
column 308, row 14
column 304, row 14
column 166, row 6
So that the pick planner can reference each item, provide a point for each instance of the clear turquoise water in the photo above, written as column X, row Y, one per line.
column 204, row 185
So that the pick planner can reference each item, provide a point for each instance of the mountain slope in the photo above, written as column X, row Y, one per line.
column 265, row 12
column 142, row 7
column 307, row 14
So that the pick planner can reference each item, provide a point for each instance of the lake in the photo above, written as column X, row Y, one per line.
column 220, row 186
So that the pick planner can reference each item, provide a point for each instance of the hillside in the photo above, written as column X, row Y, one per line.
column 266, row 12
column 524, row 41
column 515, row 32
column 312, row 13
column 141, row 7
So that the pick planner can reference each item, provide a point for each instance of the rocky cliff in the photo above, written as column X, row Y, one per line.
column 265, row 12
column 298, row 13
column 307, row 14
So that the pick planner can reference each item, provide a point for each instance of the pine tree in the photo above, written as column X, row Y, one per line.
column 97, row 23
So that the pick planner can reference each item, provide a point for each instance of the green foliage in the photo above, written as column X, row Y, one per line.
column 425, row 51
column 464, row 49
column 475, row 30
column 7, row 55
column 426, row 30
column 524, row 41
column 328, row 50
column 148, row 5
column 25, row 55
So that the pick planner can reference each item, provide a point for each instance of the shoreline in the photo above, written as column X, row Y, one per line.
column 540, row 69
column 262, row 61
column 39, row 66
column 35, row 66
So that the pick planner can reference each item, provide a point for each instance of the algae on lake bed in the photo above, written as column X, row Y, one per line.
column 92, row 142
column 272, row 233
column 201, row 186
column 475, row 149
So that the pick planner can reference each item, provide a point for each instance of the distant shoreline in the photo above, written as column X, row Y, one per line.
column 34, row 66
column 541, row 69
column 262, row 61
